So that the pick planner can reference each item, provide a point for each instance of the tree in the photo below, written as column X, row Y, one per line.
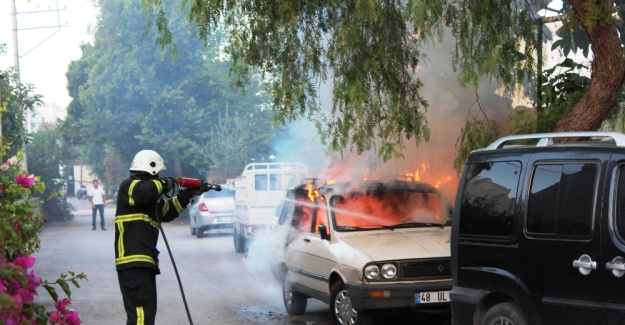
column 126, row 95
column 114, row 171
column 16, row 99
column 608, row 73
column 46, row 155
column 368, row 51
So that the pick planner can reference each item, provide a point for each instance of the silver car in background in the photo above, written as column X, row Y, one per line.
column 212, row 210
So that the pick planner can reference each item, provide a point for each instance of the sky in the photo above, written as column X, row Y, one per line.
column 47, row 40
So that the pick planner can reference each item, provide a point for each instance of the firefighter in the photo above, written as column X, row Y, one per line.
column 140, row 209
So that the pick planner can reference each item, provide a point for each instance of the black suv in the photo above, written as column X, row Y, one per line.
column 538, row 234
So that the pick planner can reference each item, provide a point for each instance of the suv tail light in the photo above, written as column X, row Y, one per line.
column 203, row 207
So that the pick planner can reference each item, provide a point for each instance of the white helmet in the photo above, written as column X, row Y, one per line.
column 148, row 161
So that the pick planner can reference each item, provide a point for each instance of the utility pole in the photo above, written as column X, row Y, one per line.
column 16, row 55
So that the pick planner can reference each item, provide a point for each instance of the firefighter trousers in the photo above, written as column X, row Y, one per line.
column 138, row 287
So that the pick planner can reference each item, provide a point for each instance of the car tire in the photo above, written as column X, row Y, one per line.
column 507, row 313
column 193, row 230
column 294, row 302
column 199, row 231
column 342, row 311
column 239, row 241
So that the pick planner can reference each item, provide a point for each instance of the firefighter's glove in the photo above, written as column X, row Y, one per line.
column 190, row 192
column 168, row 184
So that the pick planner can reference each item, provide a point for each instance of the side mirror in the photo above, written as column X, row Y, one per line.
column 323, row 231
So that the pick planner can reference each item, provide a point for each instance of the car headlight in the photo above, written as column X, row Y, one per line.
column 389, row 271
column 372, row 272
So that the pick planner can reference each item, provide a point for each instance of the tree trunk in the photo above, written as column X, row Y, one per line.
column 607, row 76
column 177, row 164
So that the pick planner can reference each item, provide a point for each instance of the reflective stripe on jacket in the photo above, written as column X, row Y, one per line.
column 139, row 210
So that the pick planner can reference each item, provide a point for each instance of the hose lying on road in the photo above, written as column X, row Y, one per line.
column 171, row 257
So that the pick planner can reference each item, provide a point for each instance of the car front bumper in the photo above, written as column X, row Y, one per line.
column 365, row 296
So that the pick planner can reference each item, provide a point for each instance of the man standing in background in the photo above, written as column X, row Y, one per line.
column 98, row 200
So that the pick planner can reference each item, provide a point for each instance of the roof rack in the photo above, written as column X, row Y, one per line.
column 546, row 139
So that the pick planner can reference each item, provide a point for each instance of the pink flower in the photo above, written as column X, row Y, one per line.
column 5, row 167
column 1, row 188
column 72, row 319
column 26, row 262
column 17, row 299
column 61, row 305
column 55, row 317
column 30, row 290
column 25, row 181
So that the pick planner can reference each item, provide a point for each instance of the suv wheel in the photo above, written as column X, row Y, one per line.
column 341, row 308
column 239, row 241
column 294, row 302
column 506, row 313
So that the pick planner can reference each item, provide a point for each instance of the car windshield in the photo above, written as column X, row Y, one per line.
column 389, row 210
column 223, row 193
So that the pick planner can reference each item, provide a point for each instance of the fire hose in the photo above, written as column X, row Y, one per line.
column 193, row 184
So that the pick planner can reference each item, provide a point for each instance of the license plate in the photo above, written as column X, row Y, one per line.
column 224, row 219
column 431, row 297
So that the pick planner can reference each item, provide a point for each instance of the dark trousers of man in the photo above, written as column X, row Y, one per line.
column 138, row 287
column 100, row 208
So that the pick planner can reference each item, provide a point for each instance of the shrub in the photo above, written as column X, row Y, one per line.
column 20, row 225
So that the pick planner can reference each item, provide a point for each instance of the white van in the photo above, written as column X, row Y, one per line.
column 259, row 190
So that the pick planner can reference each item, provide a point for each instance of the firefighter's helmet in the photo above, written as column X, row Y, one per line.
column 148, row 161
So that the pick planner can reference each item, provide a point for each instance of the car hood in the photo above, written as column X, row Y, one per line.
column 402, row 244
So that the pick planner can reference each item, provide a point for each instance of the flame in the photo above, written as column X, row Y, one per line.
column 313, row 193
column 439, row 179
column 392, row 208
column 422, row 175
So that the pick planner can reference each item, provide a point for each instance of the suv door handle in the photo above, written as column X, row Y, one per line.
column 307, row 240
column 585, row 264
column 617, row 266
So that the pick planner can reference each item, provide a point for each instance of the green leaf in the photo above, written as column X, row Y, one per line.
column 63, row 284
column 52, row 292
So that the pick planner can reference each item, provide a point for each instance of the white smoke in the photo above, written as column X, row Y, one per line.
column 450, row 105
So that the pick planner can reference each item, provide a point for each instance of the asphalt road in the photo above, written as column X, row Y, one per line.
column 221, row 286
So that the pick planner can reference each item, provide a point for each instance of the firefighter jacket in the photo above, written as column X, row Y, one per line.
column 140, row 209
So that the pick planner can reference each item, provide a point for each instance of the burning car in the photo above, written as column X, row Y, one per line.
column 363, row 246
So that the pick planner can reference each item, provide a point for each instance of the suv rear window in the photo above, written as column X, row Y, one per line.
column 489, row 198
column 561, row 199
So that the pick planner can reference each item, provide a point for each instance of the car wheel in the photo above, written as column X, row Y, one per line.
column 239, row 241
column 506, row 313
column 294, row 302
column 199, row 231
column 191, row 227
column 341, row 308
